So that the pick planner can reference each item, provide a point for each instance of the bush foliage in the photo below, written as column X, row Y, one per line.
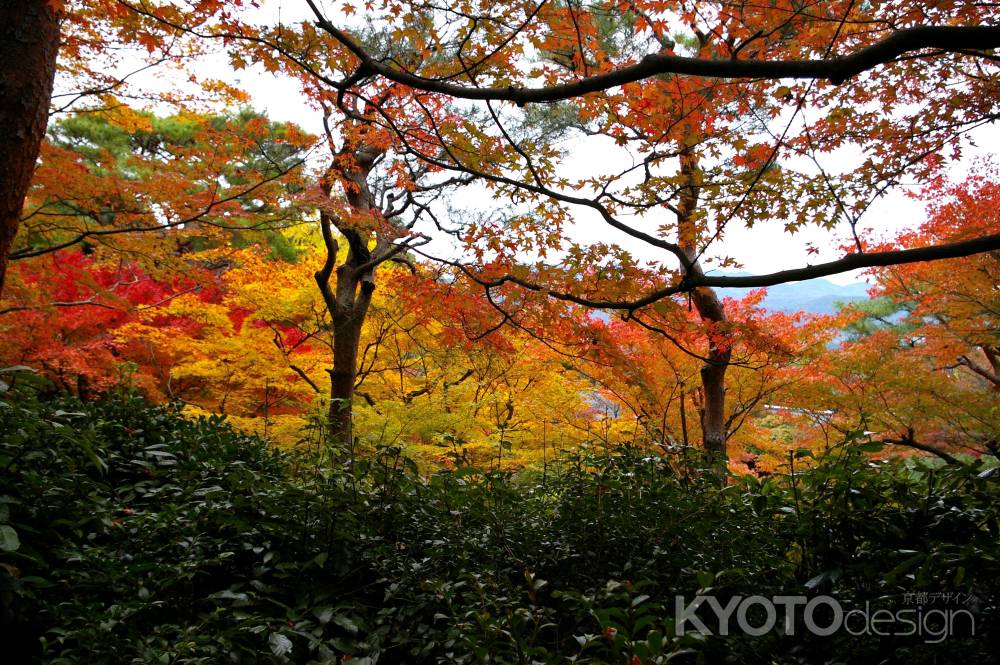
column 133, row 535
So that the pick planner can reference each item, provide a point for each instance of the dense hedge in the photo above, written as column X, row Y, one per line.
column 133, row 535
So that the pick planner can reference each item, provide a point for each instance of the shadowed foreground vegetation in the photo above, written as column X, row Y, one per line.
column 133, row 535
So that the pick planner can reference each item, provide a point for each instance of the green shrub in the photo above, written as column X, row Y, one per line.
column 147, row 537
column 129, row 534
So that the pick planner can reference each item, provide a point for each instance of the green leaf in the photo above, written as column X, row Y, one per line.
column 228, row 594
column 346, row 623
column 9, row 542
column 280, row 644
column 59, row 413
column 905, row 567
column 639, row 600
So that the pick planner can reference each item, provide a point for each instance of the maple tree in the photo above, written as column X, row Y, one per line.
column 70, row 339
column 730, row 109
column 368, row 198
column 919, row 370
column 951, row 307
column 228, row 349
column 369, row 218
column 127, row 212
column 658, row 378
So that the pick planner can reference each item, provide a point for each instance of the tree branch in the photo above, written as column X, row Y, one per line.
column 298, row 370
column 836, row 70
column 692, row 281
column 909, row 441
column 992, row 377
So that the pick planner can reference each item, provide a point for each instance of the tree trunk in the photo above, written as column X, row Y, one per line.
column 346, row 338
column 711, row 312
column 348, row 323
column 29, row 43
column 713, row 377
column 349, row 300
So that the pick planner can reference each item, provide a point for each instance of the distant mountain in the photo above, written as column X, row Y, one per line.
column 816, row 296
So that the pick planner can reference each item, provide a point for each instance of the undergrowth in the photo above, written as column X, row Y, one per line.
column 133, row 535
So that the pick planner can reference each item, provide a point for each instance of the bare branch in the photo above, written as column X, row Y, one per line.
column 305, row 377
column 908, row 441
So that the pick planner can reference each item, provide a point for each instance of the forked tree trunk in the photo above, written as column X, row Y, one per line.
column 350, row 298
column 29, row 43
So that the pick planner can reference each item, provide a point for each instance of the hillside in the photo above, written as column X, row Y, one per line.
column 816, row 296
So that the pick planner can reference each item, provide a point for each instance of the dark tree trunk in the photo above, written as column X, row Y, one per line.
column 354, row 296
column 346, row 337
column 29, row 43
column 349, row 299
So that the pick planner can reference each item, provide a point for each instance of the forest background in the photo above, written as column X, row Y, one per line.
column 496, row 281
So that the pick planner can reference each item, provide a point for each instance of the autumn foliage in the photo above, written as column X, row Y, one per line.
column 444, row 373
column 342, row 283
